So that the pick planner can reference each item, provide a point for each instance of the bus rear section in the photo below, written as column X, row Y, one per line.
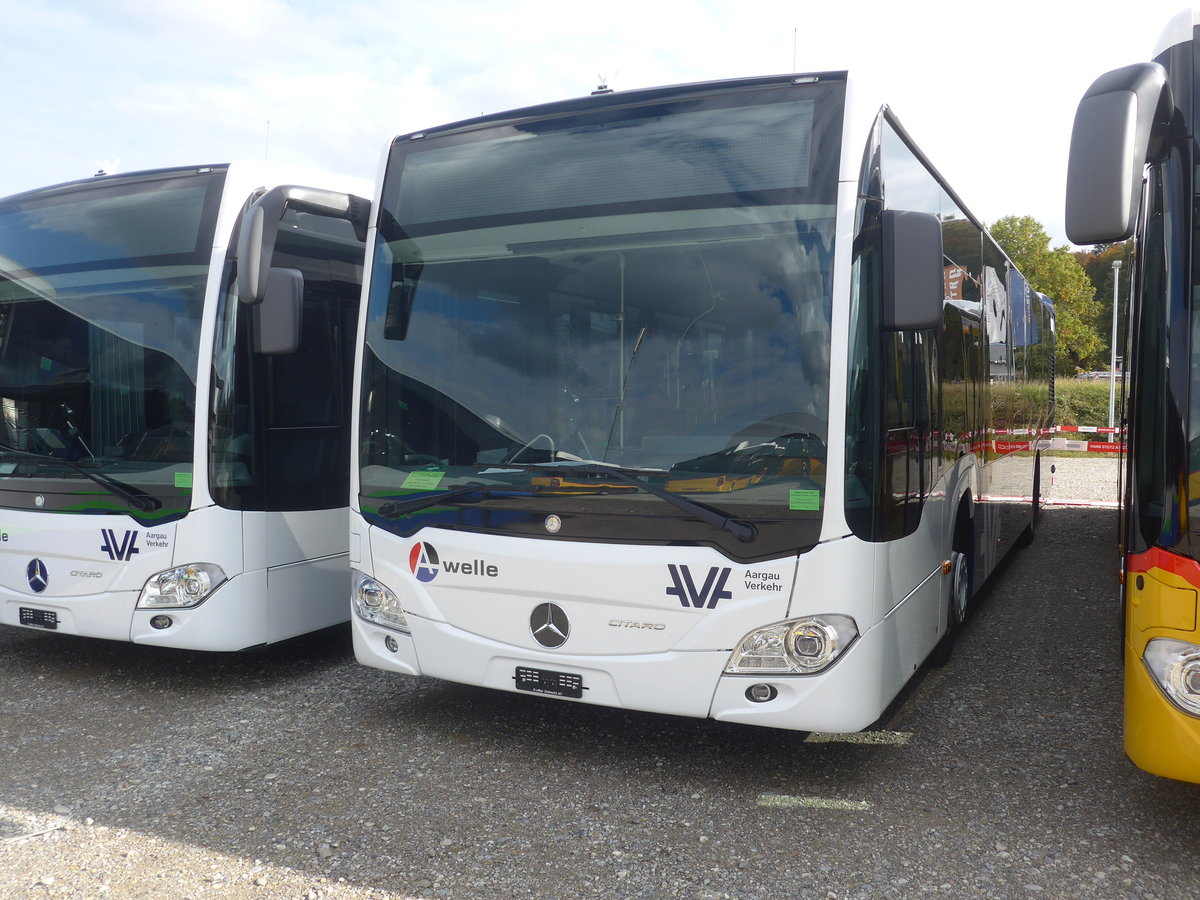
column 170, row 454
column 652, row 415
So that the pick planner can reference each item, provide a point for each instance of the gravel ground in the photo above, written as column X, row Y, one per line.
column 1083, row 479
column 131, row 772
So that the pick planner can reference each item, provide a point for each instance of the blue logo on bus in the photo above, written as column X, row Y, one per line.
column 37, row 576
column 122, row 549
column 703, row 597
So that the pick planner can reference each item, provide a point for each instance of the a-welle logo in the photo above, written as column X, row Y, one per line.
column 426, row 564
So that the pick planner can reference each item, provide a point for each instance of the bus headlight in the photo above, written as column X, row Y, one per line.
column 1175, row 665
column 796, row 647
column 376, row 603
column 181, row 587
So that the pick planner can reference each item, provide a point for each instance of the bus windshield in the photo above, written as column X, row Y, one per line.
column 101, row 290
column 667, row 314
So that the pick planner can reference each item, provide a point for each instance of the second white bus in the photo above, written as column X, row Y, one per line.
column 174, row 443
column 711, row 400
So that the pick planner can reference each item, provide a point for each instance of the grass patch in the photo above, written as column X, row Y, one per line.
column 1077, row 402
column 1082, row 402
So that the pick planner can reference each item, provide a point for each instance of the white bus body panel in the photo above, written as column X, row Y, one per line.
column 307, row 571
column 635, row 644
column 1179, row 30
column 95, row 567
column 287, row 574
column 209, row 535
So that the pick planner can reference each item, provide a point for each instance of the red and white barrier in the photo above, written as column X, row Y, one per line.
column 1061, row 443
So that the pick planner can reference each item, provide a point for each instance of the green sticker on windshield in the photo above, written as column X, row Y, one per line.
column 423, row 481
column 804, row 499
column 183, row 479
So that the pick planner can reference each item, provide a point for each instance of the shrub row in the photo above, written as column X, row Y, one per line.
column 1077, row 402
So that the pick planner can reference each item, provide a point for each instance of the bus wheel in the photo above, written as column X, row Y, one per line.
column 960, row 586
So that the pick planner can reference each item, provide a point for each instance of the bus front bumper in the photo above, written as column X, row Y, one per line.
column 845, row 698
column 1159, row 737
column 104, row 615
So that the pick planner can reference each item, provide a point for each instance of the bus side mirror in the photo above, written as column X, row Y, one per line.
column 1120, row 125
column 260, row 229
column 277, row 316
column 913, row 280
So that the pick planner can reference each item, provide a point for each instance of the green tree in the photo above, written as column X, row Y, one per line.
column 1059, row 275
column 1098, row 263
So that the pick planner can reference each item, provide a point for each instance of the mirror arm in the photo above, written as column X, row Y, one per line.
column 260, row 229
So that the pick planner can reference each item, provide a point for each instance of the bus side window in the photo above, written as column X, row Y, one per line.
column 1148, row 406
column 280, row 436
column 908, row 459
column 892, row 413
column 307, row 429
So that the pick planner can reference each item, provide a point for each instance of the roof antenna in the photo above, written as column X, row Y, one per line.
column 107, row 167
column 603, row 87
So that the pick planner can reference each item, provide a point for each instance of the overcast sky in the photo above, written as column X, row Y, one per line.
column 987, row 89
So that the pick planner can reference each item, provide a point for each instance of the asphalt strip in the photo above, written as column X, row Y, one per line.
column 876, row 738
column 783, row 801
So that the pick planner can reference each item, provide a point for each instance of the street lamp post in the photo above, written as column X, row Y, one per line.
column 1112, row 365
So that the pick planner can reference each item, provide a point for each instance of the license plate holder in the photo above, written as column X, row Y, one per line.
column 39, row 618
column 546, row 681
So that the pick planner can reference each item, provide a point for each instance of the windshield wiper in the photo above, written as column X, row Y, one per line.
column 394, row 509
column 136, row 497
column 723, row 521
column 743, row 531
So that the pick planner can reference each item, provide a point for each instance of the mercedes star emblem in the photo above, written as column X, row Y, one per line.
column 37, row 576
column 549, row 625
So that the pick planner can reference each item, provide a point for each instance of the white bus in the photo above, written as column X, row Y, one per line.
column 710, row 400
column 174, row 452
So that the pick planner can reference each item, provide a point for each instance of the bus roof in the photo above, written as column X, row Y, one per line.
column 1179, row 29
column 605, row 98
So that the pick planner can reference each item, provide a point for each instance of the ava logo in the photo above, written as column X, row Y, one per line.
column 122, row 550
column 423, row 561
column 709, row 593
column 37, row 576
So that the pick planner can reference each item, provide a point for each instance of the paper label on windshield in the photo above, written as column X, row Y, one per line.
column 804, row 499
column 422, row 481
column 183, row 479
